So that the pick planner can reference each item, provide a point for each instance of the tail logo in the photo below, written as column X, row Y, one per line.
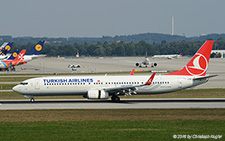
column 20, row 57
column 14, row 54
column 38, row 47
column 199, row 65
column 8, row 47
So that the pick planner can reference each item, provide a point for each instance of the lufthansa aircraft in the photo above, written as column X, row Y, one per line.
column 35, row 52
column 5, row 48
column 101, row 87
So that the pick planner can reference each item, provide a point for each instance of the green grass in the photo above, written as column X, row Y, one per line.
column 131, row 124
column 13, row 79
column 188, row 93
column 7, row 86
column 108, row 130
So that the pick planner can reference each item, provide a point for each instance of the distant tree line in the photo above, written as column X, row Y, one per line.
column 151, row 38
column 120, row 48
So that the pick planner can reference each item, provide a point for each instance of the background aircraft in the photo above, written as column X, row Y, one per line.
column 5, row 48
column 101, row 87
column 13, row 55
column 9, row 64
column 74, row 67
column 172, row 56
column 146, row 62
column 35, row 52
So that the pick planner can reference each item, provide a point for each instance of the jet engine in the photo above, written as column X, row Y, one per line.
column 138, row 64
column 153, row 64
column 97, row 94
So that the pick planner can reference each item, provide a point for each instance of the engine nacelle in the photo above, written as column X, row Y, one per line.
column 97, row 94
column 137, row 64
column 153, row 64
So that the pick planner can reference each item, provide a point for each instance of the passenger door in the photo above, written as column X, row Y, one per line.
column 37, row 84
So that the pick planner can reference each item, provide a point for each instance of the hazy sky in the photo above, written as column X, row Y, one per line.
column 96, row 18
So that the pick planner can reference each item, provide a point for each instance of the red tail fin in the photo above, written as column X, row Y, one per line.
column 20, row 57
column 199, row 63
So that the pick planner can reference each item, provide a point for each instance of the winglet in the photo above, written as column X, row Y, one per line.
column 149, row 82
column 132, row 72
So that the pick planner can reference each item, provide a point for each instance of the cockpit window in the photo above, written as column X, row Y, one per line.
column 24, row 83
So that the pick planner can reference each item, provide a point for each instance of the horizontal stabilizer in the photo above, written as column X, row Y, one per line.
column 204, row 77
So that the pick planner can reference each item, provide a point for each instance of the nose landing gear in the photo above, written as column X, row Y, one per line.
column 31, row 98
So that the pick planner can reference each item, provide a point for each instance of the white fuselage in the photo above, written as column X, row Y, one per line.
column 28, row 58
column 80, row 85
column 3, row 56
column 167, row 56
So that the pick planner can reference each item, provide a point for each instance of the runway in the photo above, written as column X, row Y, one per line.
column 165, row 103
column 114, row 64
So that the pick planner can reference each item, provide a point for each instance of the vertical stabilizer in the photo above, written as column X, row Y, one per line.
column 198, row 64
column 36, row 50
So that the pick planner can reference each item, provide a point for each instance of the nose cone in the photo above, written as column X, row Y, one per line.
column 16, row 89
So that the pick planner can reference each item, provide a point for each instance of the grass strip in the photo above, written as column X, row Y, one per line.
column 123, row 124
column 13, row 79
column 7, row 86
column 111, row 115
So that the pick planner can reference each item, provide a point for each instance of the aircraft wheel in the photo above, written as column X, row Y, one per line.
column 115, row 98
column 32, row 100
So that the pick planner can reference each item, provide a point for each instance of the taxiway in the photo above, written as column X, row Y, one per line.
column 119, row 64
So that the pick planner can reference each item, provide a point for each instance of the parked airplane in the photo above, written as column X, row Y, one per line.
column 146, row 62
column 19, row 60
column 13, row 55
column 101, row 87
column 172, row 56
column 73, row 67
column 35, row 52
column 5, row 48
column 3, row 45
column 6, row 45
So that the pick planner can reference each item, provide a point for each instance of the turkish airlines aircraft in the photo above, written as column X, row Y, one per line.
column 101, row 87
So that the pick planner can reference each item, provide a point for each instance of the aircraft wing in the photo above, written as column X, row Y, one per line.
column 132, row 87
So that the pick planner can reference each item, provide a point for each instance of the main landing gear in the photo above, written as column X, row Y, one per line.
column 115, row 98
